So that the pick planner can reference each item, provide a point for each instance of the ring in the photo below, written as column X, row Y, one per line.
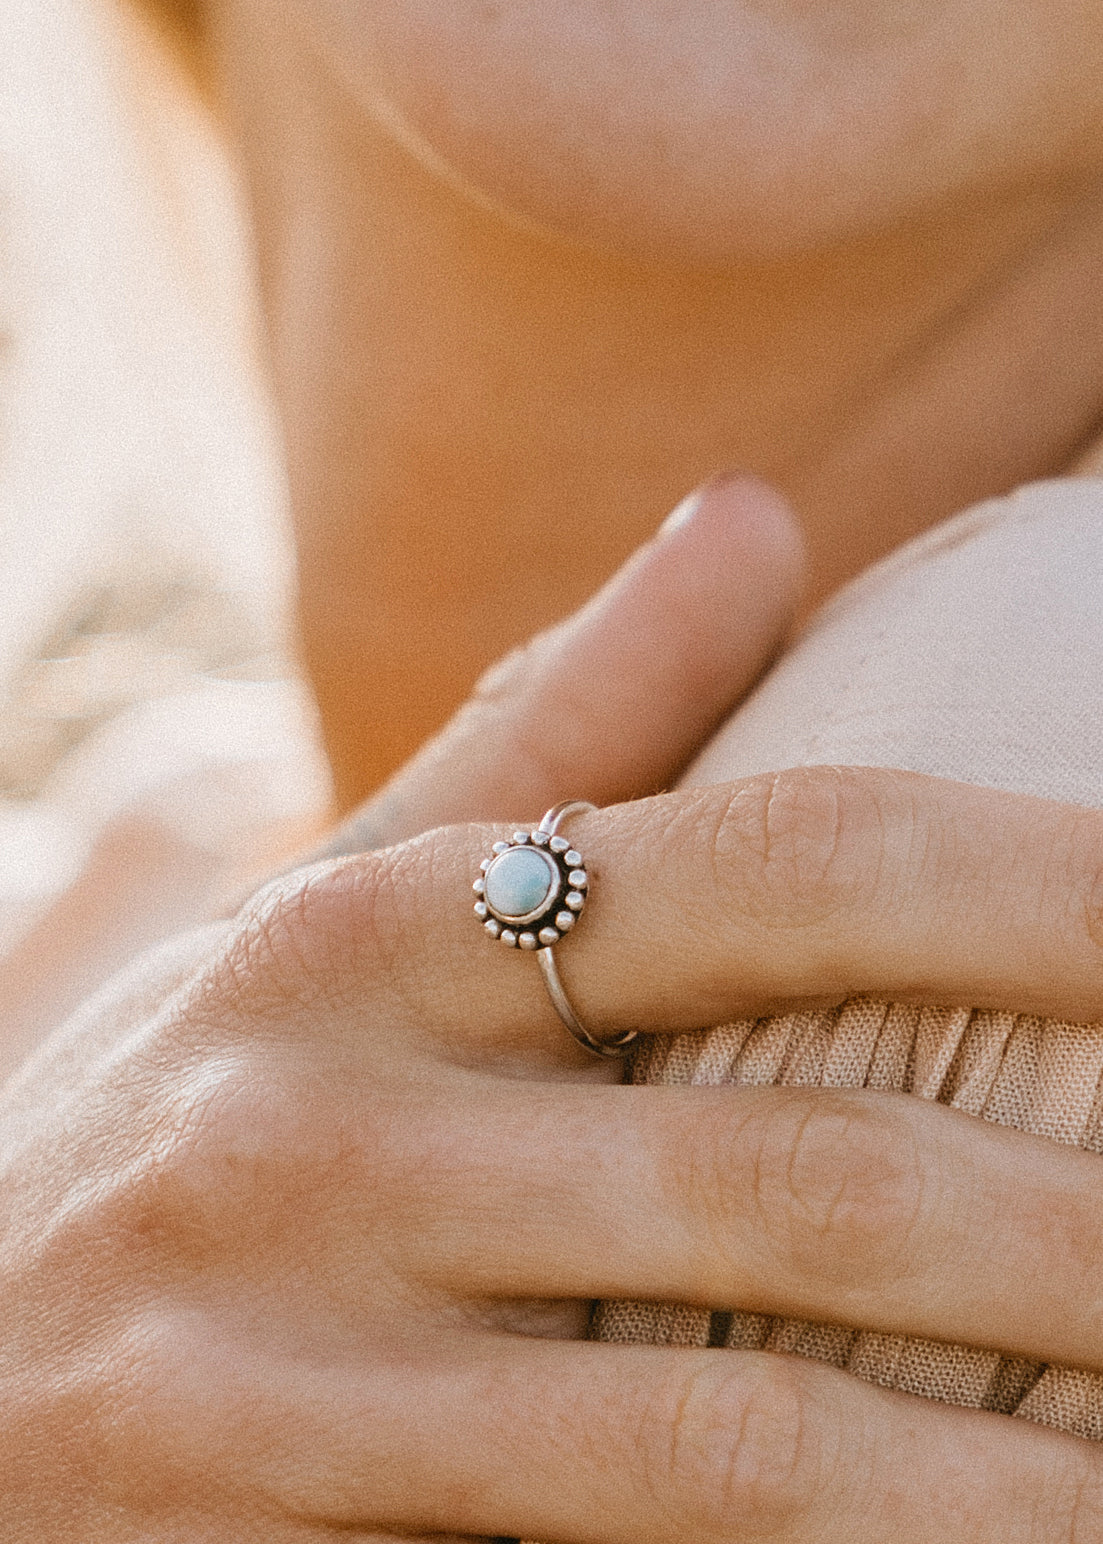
column 531, row 892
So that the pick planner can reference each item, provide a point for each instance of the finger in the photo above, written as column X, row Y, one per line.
column 614, row 701
column 880, row 1211
column 591, row 1444
column 715, row 904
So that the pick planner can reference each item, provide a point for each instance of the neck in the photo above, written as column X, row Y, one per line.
column 469, row 403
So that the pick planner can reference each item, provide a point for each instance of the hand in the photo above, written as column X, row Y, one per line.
column 273, row 1219
column 615, row 701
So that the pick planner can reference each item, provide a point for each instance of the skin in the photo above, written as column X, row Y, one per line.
column 524, row 288
column 296, row 1231
column 295, row 1226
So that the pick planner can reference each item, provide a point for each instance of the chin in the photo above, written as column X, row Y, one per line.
column 722, row 131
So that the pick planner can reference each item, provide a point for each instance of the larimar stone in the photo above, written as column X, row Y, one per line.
column 521, row 883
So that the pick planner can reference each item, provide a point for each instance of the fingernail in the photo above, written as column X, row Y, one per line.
column 683, row 513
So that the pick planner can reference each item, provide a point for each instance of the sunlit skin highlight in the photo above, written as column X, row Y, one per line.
column 526, row 287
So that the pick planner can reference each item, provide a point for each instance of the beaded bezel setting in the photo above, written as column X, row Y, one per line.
column 553, row 899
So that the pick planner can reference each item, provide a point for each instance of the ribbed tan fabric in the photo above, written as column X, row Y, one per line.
column 975, row 653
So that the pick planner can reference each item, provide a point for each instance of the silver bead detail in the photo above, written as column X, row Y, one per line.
column 567, row 873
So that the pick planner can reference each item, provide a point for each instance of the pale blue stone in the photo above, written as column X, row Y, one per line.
column 520, row 882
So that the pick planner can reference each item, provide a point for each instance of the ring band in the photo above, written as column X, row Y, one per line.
column 531, row 892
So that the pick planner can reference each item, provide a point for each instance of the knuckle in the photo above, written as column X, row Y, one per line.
column 112, row 1411
column 314, row 937
column 801, row 847
column 191, row 1396
column 243, row 1161
column 743, row 1448
column 839, row 1185
column 264, row 1160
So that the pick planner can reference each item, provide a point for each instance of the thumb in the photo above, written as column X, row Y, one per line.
column 611, row 703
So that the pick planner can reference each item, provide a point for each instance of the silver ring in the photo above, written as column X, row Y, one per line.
column 531, row 892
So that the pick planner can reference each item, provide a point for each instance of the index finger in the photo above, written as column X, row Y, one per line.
column 803, row 887
column 618, row 697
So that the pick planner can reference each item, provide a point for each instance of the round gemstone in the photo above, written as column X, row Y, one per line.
column 521, row 883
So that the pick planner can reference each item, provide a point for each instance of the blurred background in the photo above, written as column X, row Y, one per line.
column 157, row 746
